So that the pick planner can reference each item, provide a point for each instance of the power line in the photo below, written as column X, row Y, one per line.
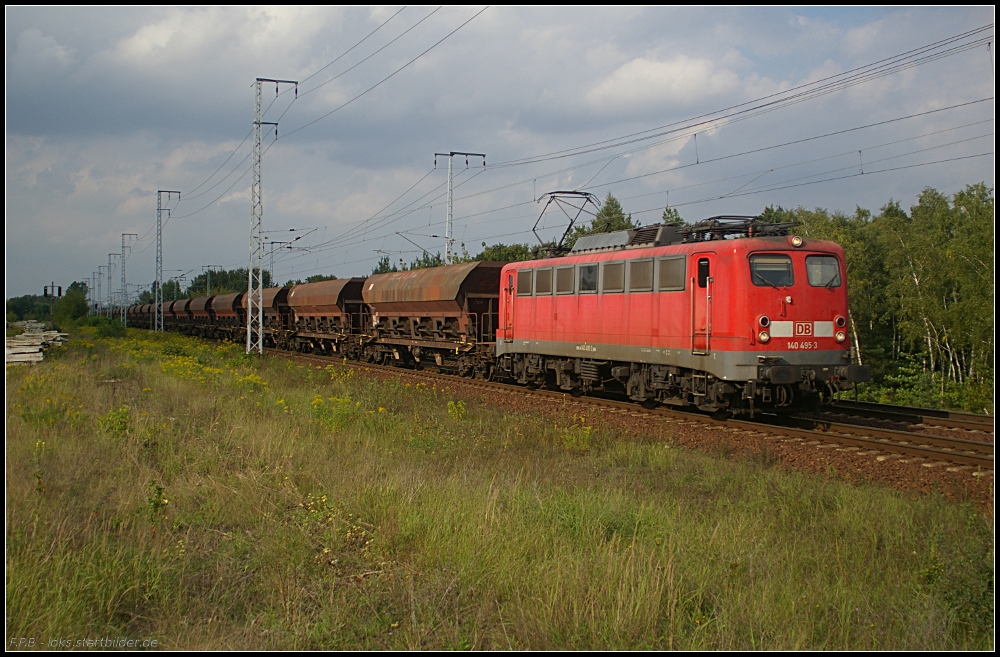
column 348, row 70
column 190, row 195
column 391, row 75
column 854, row 73
column 380, row 82
column 725, row 157
column 356, row 241
column 809, row 90
column 346, row 52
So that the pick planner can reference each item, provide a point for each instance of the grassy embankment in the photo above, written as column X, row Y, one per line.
column 160, row 487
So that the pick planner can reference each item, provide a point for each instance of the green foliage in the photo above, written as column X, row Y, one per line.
column 426, row 261
column 315, row 278
column 921, row 293
column 29, row 306
column 335, row 413
column 73, row 305
column 609, row 218
column 498, row 253
column 115, row 422
column 456, row 410
column 106, row 327
column 384, row 266
column 155, row 501
column 671, row 216
column 223, row 282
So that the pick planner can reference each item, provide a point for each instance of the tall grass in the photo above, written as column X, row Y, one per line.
column 162, row 487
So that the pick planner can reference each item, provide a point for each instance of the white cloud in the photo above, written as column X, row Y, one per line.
column 679, row 81
column 860, row 40
column 38, row 56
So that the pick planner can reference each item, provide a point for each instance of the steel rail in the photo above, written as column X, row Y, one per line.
column 915, row 415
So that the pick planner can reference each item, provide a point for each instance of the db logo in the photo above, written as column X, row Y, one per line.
column 803, row 328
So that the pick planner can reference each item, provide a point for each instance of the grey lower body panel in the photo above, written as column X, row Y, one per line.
column 725, row 365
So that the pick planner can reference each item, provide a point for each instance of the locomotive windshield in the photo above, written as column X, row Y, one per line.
column 823, row 271
column 771, row 270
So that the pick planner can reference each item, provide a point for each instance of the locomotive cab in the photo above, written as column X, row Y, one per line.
column 797, row 322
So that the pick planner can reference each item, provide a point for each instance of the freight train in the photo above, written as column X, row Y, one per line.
column 728, row 315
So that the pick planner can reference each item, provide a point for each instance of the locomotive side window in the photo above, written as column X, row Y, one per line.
column 588, row 278
column 671, row 274
column 543, row 281
column 614, row 277
column 703, row 272
column 564, row 280
column 771, row 270
column 823, row 271
column 640, row 276
column 524, row 282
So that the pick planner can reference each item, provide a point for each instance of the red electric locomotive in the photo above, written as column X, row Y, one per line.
column 730, row 314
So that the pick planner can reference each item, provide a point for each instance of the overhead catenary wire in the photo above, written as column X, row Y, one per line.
column 626, row 139
column 349, row 50
column 345, row 104
column 348, row 70
column 349, row 243
column 729, row 156
column 388, row 77
column 705, row 200
column 860, row 70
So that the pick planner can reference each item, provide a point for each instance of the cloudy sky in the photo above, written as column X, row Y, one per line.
column 711, row 111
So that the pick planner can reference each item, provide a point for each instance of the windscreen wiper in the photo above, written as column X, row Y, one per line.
column 758, row 275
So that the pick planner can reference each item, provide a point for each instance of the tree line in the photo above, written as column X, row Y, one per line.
column 921, row 287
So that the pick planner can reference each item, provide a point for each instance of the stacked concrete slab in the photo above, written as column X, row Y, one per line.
column 29, row 347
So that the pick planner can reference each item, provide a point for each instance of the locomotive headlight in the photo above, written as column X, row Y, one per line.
column 841, row 322
column 764, row 337
column 841, row 336
column 765, row 321
column 796, row 241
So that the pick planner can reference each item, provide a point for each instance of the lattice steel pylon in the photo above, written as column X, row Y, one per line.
column 111, row 296
column 124, row 288
column 100, row 300
column 158, row 291
column 449, row 227
column 255, row 269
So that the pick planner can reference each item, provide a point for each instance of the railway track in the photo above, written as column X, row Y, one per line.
column 931, row 417
column 962, row 453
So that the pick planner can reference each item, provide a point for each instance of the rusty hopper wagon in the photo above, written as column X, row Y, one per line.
column 276, row 323
column 445, row 316
column 227, row 322
column 328, row 317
